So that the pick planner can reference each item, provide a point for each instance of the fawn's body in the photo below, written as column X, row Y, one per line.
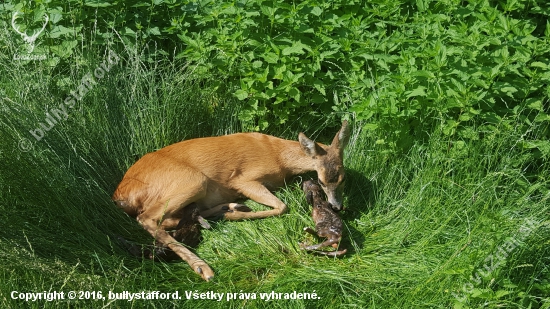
column 327, row 223
column 213, row 172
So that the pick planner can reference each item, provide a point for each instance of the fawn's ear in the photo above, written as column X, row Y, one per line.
column 341, row 139
column 204, row 223
column 308, row 146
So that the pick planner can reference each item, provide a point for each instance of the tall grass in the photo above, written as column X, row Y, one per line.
column 417, row 224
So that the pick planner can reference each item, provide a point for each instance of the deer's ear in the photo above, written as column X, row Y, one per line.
column 341, row 138
column 307, row 145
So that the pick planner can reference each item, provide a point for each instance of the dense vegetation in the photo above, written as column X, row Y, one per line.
column 447, row 197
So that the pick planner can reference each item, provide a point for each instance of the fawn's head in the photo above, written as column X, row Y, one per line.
column 310, row 189
column 329, row 164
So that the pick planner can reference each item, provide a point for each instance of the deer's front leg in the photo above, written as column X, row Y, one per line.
column 220, row 210
column 260, row 194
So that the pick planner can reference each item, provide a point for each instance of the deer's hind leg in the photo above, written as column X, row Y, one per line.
column 163, row 214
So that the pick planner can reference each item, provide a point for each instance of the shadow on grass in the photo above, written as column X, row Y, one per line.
column 359, row 191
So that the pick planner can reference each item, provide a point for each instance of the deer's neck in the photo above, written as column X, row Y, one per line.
column 295, row 161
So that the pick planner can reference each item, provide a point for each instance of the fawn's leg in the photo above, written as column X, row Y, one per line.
column 311, row 231
column 326, row 243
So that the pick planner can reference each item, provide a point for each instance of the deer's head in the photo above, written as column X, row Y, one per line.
column 329, row 164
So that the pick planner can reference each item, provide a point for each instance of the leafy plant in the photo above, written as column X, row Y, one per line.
column 394, row 64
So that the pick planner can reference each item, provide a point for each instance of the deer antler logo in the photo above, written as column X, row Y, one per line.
column 29, row 39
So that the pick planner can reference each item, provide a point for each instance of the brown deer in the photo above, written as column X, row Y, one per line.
column 327, row 222
column 213, row 172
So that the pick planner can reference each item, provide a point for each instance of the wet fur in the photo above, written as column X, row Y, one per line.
column 327, row 223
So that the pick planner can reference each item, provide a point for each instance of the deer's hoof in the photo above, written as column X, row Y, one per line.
column 205, row 272
column 237, row 207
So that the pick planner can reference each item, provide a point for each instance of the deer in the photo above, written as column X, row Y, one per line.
column 327, row 222
column 215, row 172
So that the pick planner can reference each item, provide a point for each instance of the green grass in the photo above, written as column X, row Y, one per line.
column 417, row 225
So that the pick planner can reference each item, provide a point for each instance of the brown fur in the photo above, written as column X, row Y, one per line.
column 187, row 232
column 213, row 172
column 327, row 223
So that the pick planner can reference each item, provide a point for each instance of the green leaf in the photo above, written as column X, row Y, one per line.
column 262, row 96
column 269, row 11
column 55, row 15
column 279, row 70
column 509, row 90
column 263, row 124
column 289, row 79
column 97, row 3
column 449, row 127
column 257, row 64
column 294, row 93
column 542, row 146
column 241, row 94
column 60, row 30
column 465, row 117
column 305, row 29
column 317, row 98
column 538, row 64
column 320, row 86
column 317, row 11
column 422, row 5
column 154, row 31
column 270, row 57
column 534, row 103
column 328, row 53
column 65, row 49
column 230, row 10
column 542, row 117
column 370, row 126
column 481, row 293
column 426, row 74
column 419, row 91
column 296, row 48
column 130, row 32
column 501, row 293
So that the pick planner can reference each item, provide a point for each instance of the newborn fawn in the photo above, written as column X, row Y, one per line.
column 327, row 222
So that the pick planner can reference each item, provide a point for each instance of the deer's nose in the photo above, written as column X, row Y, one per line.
column 336, row 206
